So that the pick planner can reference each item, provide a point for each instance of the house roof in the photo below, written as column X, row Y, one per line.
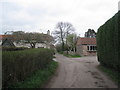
column 4, row 36
column 88, row 41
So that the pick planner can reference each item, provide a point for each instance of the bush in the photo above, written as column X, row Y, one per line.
column 107, row 43
column 13, row 48
column 53, row 51
column 18, row 65
column 39, row 78
column 59, row 48
column 72, row 55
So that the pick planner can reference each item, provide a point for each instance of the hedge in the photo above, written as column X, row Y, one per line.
column 13, row 48
column 107, row 43
column 18, row 65
column 39, row 79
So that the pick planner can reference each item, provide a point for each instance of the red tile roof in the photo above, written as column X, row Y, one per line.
column 4, row 36
column 90, row 41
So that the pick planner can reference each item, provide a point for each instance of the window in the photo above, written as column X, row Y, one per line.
column 91, row 48
column 87, row 47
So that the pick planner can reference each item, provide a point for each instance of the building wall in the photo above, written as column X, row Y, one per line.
column 92, row 53
column 82, row 50
column 88, row 53
column 38, row 45
column 79, row 50
column 22, row 45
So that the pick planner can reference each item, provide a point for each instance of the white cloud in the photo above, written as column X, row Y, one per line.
column 41, row 15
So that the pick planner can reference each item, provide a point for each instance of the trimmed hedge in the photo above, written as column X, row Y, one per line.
column 107, row 43
column 19, row 65
column 13, row 48
column 39, row 78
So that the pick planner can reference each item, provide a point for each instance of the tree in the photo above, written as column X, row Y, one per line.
column 72, row 40
column 31, row 38
column 90, row 33
column 63, row 29
column 18, row 36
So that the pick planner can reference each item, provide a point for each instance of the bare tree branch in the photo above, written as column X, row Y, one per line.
column 63, row 29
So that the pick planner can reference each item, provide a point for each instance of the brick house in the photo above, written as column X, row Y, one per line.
column 86, row 46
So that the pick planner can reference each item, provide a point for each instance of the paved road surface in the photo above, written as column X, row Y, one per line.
column 79, row 73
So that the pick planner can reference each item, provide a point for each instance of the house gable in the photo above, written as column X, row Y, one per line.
column 7, row 42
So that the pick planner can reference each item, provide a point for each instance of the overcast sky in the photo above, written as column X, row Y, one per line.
column 41, row 15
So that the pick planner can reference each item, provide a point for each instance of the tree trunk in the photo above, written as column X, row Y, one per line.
column 32, row 45
column 62, row 45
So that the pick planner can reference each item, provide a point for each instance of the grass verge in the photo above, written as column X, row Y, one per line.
column 60, row 52
column 38, row 79
column 114, row 75
column 72, row 56
column 69, row 55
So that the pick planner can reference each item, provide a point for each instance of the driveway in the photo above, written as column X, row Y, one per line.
column 79, row 73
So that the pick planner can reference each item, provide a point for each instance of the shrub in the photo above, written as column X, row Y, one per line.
column 17, row 65
column 59, row 48
column 53, row 51
column 39, row 78
column 13, row 48
column 107, row 43
column 72, row 55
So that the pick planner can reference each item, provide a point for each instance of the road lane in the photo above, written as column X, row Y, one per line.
column 79, row 73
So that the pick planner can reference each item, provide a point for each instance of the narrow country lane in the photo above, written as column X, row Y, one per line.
column 79, row 73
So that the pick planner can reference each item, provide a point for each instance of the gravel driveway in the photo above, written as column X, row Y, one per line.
column 79, row 73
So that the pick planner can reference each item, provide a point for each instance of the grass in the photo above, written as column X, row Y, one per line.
column 54, row 57
column 72, row 56
column 38, row 79
column 60, row 52
column 69, row 55
column 114, row 75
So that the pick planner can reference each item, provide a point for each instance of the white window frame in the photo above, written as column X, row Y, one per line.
column 90, row 47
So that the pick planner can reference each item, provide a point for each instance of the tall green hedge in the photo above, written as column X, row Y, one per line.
column 107, row 43
column 18, row 65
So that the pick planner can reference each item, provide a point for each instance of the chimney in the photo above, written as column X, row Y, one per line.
column 48, row 32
